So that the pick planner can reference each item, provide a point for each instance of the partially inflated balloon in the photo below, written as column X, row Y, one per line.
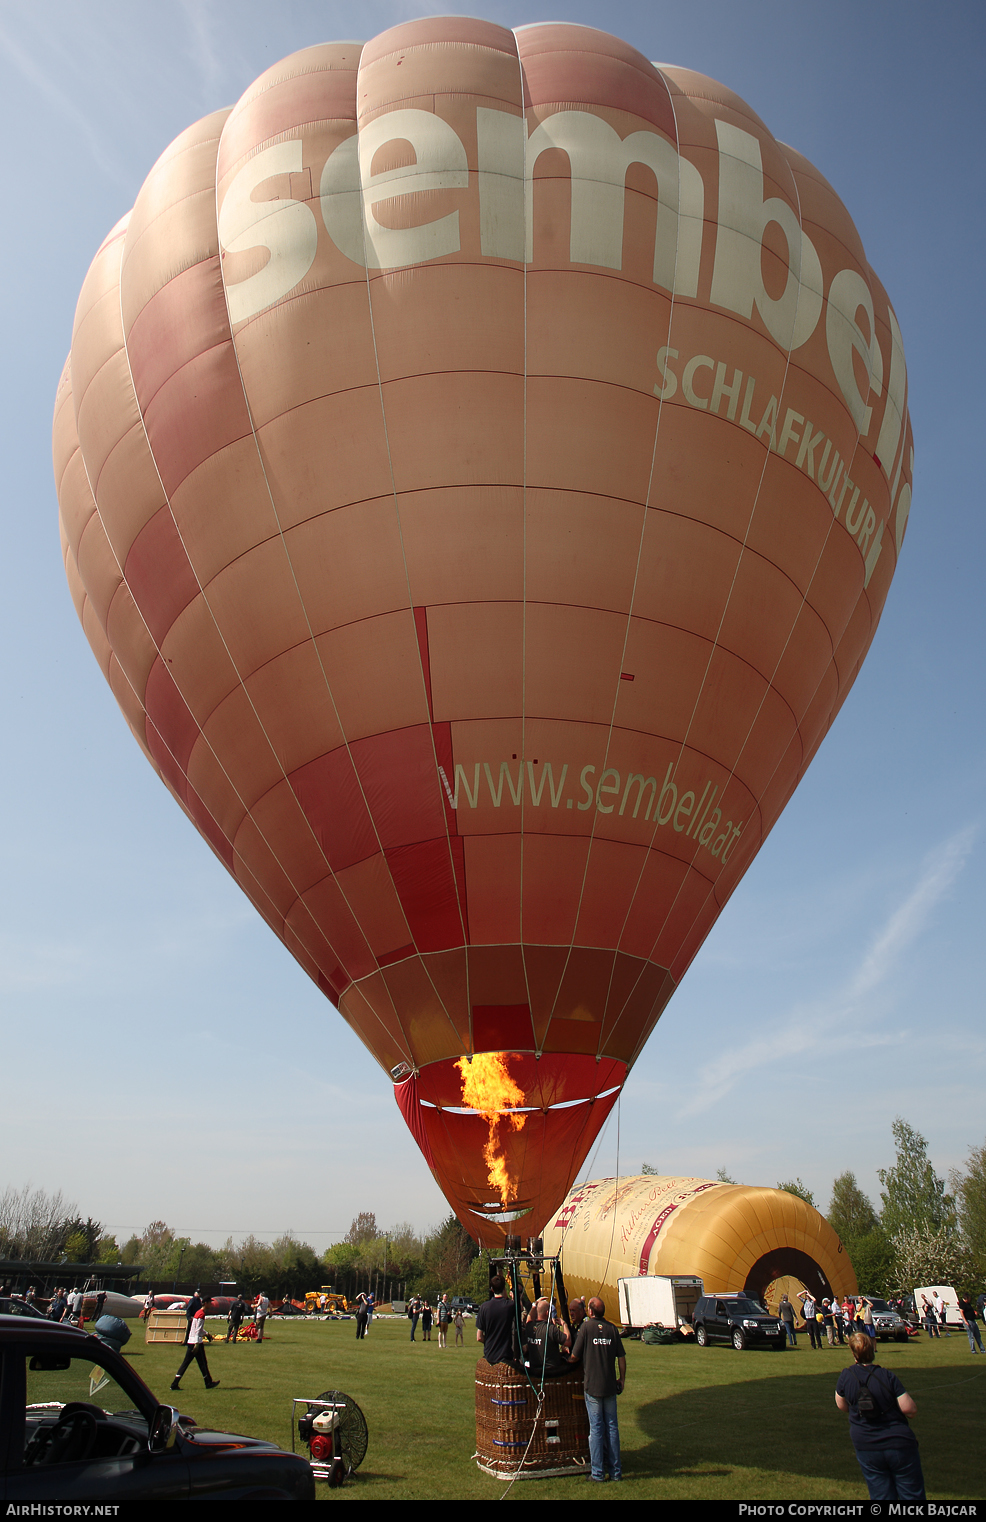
column 483, row 458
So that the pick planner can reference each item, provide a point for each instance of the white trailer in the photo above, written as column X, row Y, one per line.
column 946, row 1293
column 659, row 1300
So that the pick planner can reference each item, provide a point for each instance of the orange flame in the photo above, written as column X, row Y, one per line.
column 488, row 1087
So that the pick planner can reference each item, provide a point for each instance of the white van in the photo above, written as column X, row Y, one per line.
column 659, row 1300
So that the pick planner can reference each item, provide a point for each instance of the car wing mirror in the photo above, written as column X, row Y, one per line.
column 163, row 1429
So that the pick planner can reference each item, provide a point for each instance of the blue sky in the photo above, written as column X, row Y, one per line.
column 161, row 1055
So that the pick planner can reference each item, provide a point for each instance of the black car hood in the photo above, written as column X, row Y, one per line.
column 212, row 1438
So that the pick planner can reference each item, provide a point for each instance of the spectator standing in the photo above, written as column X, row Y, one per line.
column 811, row 1320
column 261, row 1310
column 868, row 1322
column 786, row 1313
column 942, row 1310
column 878, row 1407
column 371, row 1305
column 426, row 1320
column 414, row 1311
column 195, row 1351
column 235, row 1317
column 600, row 1351
column 929, row 1317
column 459, row 1322
column 444, row 1314
column 971, row 1323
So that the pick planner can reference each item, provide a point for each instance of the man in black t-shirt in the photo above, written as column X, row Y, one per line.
column 604, row 1365
column 495, row 1324
column 545, row 1343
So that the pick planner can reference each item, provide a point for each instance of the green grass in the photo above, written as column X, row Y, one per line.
column 694, row 1423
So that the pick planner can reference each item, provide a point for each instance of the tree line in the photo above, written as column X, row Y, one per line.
column 395, row 1263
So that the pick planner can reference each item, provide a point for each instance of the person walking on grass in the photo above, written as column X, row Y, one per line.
column 195, row 1350
column 192, row 1304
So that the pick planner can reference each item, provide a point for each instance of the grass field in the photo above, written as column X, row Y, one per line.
column 694, row 1423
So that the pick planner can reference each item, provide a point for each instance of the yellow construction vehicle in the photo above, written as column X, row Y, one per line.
column 324, row 1301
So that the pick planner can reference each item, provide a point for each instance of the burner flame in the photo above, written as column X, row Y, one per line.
column 488, row 1088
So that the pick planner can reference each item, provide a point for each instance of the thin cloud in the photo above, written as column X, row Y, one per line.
column 63, row 104
column 212, row 49
column 907, row 922
column 799, row 1034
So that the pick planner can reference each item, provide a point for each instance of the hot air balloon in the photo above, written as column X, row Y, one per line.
column 482, row 461
column 730, row 1236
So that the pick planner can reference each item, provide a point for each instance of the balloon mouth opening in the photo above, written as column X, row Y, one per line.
column 496, row 1213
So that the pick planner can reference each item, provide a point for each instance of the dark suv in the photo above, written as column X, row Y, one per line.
column 77, row 1424
column 738, row 1319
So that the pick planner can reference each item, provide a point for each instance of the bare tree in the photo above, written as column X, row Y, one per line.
column 363, row 1229
column 33, row 1224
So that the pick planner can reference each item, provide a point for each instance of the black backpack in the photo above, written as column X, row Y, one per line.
column 868, row 1407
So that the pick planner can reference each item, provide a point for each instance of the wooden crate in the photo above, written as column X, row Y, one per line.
column 165, row 1326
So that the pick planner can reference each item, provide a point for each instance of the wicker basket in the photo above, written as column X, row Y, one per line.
column 519, row 1433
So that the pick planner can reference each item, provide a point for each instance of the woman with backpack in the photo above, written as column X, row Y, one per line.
column 878, row 1407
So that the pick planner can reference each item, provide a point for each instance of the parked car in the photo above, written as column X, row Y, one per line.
column 12, row 1305
column 736, row 1318
column 460, row 1303
column 78, row 1424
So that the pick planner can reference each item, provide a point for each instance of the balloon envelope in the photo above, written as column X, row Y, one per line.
column 482, row 460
